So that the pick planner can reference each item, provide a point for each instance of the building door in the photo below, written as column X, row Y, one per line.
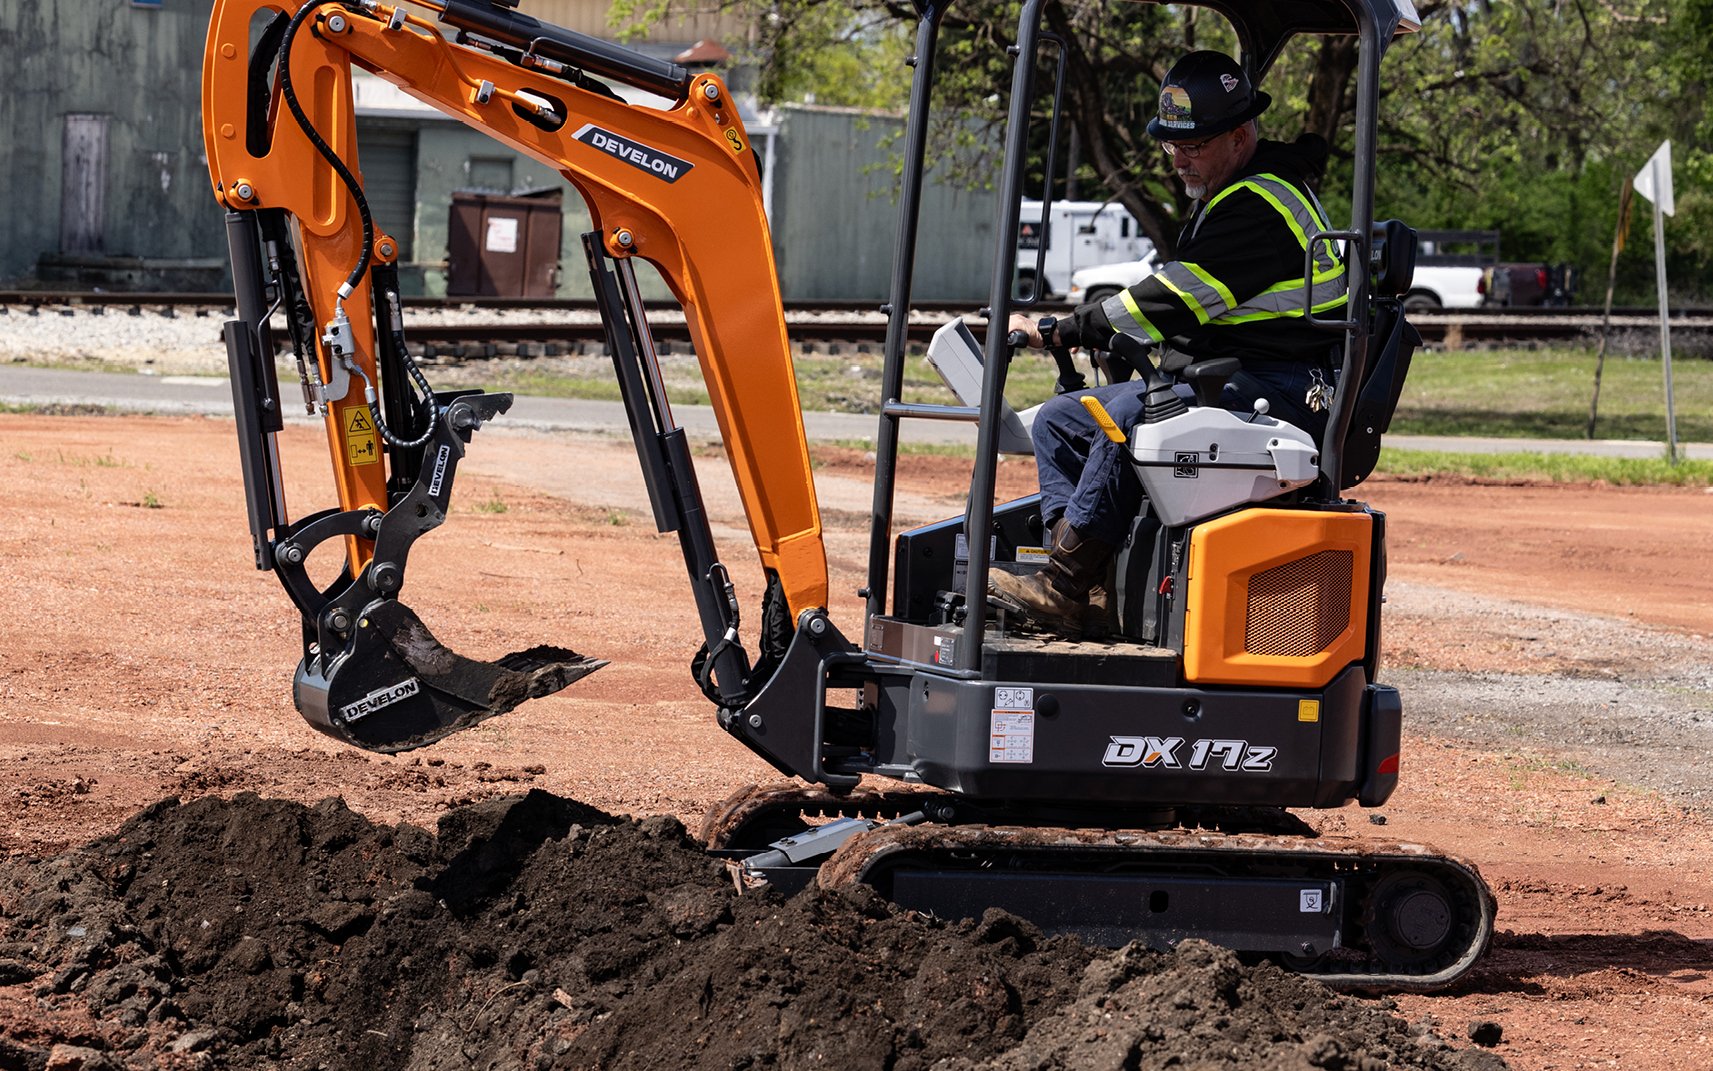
column 389, row 183
column 83, row 184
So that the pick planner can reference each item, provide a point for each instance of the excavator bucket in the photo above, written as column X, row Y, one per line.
column 395, row 687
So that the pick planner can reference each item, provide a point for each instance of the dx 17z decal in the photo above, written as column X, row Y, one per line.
column 1170, row 753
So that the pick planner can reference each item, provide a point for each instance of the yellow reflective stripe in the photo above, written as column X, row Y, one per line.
column 1218, row 287
column 1135, row 312
column 1223, row 194
column 1193, row 305
column 1290, row 217
column 1244, row 317
column 1308, row 210
column 1189, row 300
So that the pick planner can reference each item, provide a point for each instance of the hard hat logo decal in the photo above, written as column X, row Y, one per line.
column 1205, row 94
column 1175, row 108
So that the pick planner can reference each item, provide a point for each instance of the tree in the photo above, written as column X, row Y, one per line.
column 1116, row 55
column 1518, row 115
column 1526, row 116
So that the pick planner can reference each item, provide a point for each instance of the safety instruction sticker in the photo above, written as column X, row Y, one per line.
column 1036, row 555
column 1011, row 737
column 360, row 446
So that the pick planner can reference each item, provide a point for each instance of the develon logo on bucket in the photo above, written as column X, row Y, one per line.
column 379, row 698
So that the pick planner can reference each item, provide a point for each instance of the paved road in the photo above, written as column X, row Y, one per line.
column 193, row 394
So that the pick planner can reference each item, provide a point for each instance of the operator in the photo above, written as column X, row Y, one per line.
column 1236, row 290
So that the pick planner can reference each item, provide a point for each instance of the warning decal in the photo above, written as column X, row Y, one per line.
column 1011, row 736
column 360, row 437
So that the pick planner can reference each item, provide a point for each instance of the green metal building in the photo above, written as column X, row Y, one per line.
column 101, row 152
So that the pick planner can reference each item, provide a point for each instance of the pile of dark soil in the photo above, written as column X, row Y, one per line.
column 537, row 932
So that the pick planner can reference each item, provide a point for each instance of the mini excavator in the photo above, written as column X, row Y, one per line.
column 1139, row 787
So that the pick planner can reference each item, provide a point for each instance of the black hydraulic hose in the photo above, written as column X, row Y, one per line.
column 323, row 148
column 356, row 276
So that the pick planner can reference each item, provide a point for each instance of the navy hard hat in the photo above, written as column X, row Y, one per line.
column 1204, row 94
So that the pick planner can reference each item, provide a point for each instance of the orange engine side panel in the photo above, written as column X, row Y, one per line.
column 1277, row 597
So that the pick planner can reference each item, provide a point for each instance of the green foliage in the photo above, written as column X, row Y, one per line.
column 839, row 54
column 1528, row 116
column 1524, row 116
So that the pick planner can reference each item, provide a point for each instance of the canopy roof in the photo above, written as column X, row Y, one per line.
column 1263, row 26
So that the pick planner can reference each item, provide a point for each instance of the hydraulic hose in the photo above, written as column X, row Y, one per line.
column 323, row 148
column 345, row 290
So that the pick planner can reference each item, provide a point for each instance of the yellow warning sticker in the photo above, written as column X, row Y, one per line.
column 360, row 448
column 733, row 140
column 1308, row 710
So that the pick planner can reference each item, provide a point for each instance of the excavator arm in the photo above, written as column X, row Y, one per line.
column 676, row 186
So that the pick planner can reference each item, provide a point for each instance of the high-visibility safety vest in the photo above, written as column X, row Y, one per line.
column 1212, row 302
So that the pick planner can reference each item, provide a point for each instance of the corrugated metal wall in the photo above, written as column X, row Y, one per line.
column 140, row 68
column 127, row 81
column 836, row 213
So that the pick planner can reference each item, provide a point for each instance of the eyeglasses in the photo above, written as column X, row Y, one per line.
column 1189, row 150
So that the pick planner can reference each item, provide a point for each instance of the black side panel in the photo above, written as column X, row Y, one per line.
column 932, row 562
column 1124, row 743
column 1382, row 731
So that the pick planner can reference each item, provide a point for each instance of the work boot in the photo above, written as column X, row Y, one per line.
column 1056, row 597
column 1100, row 615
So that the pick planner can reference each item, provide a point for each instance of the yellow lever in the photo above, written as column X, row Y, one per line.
column 1102, row 417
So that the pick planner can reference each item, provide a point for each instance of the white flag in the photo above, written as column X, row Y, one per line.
column 1653, row 181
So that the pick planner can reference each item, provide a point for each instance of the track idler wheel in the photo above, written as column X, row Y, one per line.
column 1411, row 921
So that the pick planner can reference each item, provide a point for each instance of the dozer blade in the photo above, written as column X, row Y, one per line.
column 394, row 687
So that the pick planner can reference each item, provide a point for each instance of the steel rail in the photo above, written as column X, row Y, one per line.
column 818, row 322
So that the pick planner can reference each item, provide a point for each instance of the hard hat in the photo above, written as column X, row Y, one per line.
column 1204, row 94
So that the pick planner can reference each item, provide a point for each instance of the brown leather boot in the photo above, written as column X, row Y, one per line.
column 1100, row 618
column 1056, row 597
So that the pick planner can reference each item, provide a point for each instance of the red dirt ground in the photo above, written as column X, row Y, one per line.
column 144, row 657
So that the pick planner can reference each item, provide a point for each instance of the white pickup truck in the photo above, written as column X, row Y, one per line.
column 1104, row 280
column 1450, row 269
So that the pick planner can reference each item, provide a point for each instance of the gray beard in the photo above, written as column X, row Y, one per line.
column 1196, row 193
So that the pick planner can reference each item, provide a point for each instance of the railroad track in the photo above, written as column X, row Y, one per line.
column 486, row 327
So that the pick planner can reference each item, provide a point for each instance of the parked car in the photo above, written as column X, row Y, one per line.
column 1462, row 270
column 1101, row 281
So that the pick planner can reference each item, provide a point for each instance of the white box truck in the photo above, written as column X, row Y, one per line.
column 1075, row 234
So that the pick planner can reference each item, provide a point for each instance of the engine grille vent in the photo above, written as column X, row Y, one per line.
column 1301, row 608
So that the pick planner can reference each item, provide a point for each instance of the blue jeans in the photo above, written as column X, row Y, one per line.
column 1088, row 479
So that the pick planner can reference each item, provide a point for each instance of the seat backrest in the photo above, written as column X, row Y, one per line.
column 1390, row 348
